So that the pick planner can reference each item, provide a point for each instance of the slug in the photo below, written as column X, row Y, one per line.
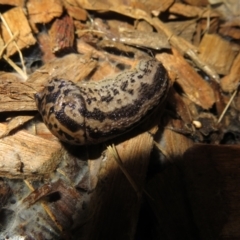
column 92, row 112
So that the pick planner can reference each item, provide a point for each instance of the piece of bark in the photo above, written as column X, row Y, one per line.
column 198, row 90
column 230, row 82
column 62, row 34
column 24, row 155
column 115, row 203
column 18, row 24
column 220, row 58
column 15, row 123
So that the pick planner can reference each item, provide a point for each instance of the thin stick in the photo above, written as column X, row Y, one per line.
column 8, row 42
column 17, row 69
column 112, row 149
column 14, row 42
column 227, row 106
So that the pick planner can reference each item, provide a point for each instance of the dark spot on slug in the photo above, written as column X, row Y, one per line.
column 50, row 88
column 124, row 85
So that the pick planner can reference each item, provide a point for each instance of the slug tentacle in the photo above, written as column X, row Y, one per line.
column 92, row 112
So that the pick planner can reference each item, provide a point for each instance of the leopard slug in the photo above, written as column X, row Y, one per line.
column 91, row 112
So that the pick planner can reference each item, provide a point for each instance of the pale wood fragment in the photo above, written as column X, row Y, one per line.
column 17, row 23
column 17, row 96
column 44, row 11
column 76, row 12
column 217, row 53
column 23, row 155
column 198, row 90
column 18, row 3
column 230, row 82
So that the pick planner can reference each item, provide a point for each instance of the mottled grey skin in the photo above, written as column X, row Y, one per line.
column 92, row 112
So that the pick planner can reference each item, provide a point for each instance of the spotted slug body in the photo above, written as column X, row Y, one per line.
column 92, row 112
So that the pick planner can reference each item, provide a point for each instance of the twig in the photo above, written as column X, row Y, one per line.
column 227, row 106
column 112, row 149
column 8, row 42
column 14, row 42
column 17, row 69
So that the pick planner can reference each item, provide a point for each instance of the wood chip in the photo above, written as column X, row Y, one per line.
column 196, row 89
column 30, row 155
column 44, row 11
column 62, row 34
column 220, row 58
column 230, row 82
column 19, row 3
column 18, row 24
